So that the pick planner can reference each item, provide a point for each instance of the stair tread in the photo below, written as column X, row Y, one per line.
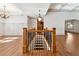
column 39, row 47
column 38, row 44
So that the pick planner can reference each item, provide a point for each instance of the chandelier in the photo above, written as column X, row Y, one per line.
column 39, row 17
column 3, row 13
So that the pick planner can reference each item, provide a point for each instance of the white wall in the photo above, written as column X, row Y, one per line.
column 1, row 27
column 57, row 20
column 14, row 25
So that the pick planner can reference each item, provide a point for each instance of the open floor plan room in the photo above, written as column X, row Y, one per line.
column 39, row 29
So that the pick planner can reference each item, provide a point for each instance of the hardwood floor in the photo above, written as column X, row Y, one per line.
column 67, row 45
column 10, row 46
column 72, row 43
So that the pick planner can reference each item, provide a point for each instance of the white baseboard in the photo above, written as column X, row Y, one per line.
column 13, row 35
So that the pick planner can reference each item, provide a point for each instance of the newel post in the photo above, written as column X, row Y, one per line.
column 54, row 41
column 25, row 42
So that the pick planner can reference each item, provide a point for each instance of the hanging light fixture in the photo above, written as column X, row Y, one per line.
column 39, row 17
column 3, row 13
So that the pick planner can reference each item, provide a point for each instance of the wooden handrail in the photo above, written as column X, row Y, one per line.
column 40, row 30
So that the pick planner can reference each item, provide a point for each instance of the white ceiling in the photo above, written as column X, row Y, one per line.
column 65, row 7
column 32, row 9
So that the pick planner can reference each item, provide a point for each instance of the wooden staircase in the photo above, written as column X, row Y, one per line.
column 39, row 43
